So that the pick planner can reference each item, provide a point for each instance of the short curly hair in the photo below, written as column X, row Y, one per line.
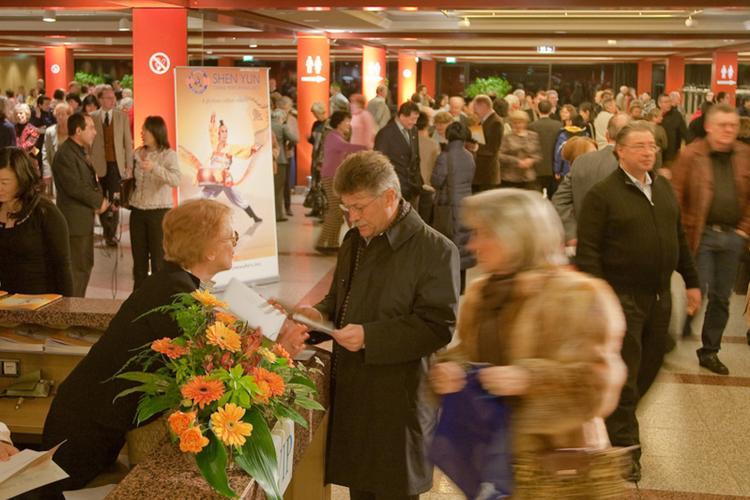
column 366, row 171
column 191, row 228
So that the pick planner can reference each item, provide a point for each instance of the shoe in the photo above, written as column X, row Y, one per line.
column 289, row 212
column 281, row 219
column 111, row 242
column 711, row 361
column 635, row 472
column 250, row 213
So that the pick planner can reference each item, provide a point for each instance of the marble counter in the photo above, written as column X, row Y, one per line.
column 67, row 312
column 169, row 474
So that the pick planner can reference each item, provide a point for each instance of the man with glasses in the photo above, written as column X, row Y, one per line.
column 630, row 234
column 393, row 303
column 711, row 179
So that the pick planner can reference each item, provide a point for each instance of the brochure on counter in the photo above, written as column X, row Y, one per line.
column 25, row 302
column 27, row 470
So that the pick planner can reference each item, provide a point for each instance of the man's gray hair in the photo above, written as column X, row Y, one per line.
column 366, row 171
column 526, row 224
column 616, row 123
column 632, row 128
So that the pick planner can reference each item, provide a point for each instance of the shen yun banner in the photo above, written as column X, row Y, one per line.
column 224, row 146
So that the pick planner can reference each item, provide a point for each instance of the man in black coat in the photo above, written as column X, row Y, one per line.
column 487, row 174
column 547, row 129
column 674, row 124
column 630, row 234
column 399, row 142
column 393, row 301
column 79, row 196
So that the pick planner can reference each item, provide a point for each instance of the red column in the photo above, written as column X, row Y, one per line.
column 675, row 74
column 645, row 76
column 156, row 52
column 226, row 62
column 724, row 74
column 428, row 75
column 58, row 68
column 407, row 77
column 373, row 69
column 313, row 81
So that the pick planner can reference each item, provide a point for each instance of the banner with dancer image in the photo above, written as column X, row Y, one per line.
column 223, row 126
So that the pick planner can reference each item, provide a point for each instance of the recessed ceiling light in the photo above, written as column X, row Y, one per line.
column 124, row 24
column 611, row 42
column 409, row 9
column 49, row 16
column 209, row 52
column 253, row 45
column 374, row 9
column 16, row 48
column 464, row 23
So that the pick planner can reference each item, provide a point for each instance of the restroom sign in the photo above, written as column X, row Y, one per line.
column 159, row 63
column 313, row 66
column 727, row 75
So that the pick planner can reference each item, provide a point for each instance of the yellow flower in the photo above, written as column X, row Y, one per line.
column 223, row 337
column 208, row 299
column 226, row 318
column 228, row 426
column 192, row 440
column 179, row 421
column 270, row 357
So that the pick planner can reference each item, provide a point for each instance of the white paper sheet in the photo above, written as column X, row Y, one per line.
column 250, row 306
column 30, row 477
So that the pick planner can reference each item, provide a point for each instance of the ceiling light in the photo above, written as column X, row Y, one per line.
column 409, row 9
column 416, row 59
column 16, row 48
column 464, row 23
column 611, row 42
column 49, row 16
column 374, row 9
column 124, row 24
column 209, row 52
column 689, row 22
column 746, row 24
column 253, row 45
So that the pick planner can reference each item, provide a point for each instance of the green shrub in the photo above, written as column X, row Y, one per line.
column 491, row 85
column 88, row 79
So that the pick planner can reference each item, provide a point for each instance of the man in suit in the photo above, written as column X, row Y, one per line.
column 79, row 196
column 547, row 129
column 587, row 170
column 456, row 106
column 399, row 142
column 487, row 174
column 378, row 108
column 112, row 155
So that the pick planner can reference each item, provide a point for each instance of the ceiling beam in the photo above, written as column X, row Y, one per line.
column 462, row 4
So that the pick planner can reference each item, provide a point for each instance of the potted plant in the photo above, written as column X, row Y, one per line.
column 493, row 85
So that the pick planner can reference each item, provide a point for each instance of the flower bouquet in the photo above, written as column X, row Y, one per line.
column 224, row 384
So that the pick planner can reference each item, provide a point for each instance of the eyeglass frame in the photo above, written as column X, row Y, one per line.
column 643, row 147
column 235, row 238
column 359, row 210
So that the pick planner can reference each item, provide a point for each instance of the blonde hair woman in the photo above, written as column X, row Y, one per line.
column 551, row 335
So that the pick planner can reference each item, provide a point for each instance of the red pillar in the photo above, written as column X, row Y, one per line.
column 645, row 76
column 724, row 74
column 226, row 62
column 675, row 74
column 407, row 77
column 156, row 52
column 58, row 68
column 428, row 75
column 373, row 68
column 313, row 81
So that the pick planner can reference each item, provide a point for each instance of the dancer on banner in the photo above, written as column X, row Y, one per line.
column 216, row 177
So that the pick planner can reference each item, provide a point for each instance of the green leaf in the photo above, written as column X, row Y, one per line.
column 212, row 461
column 257, row 456
column 298, row 379
column 300, row 390
column 309, row 404
column 149, row 406
column 285, row 411
column 143, row 377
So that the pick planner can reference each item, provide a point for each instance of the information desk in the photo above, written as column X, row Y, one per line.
column 27, row 422
column 168, row 474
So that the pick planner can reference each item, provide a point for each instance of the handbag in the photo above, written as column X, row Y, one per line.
column 127, row 187
column 442, row 213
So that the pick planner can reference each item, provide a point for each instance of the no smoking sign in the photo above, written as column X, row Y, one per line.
column 55, row 69
column 159, row 63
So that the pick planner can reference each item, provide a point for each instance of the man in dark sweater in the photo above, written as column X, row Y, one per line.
column 674, row 124
column 630, row 234
column 711, row 179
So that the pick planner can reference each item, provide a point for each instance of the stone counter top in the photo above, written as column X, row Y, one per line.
column 66, row 312
column 168, row 474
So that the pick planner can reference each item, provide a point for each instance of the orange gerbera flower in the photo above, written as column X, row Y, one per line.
column 202, row 391
column 225, row 317
column 168, row 348
column 279, row 350
column 208, row 299
column 223, row 337
column 192, row 440
column 180, row 421
column 269, row 383
column 227, row 424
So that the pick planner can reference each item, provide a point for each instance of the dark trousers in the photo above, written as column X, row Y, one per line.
column 366, row 495
column 279, row 186
column 478, row 188
column 530, row 185
column 146, row 237
column 288, row 184
column 82, row 261
column 110, row 184
column 545, row 182
column 644, row 346
column 717, row 260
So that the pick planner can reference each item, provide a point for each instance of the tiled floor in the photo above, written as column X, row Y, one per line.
column 695, row 426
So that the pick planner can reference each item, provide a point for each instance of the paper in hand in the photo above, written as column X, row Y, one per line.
column 250, row 306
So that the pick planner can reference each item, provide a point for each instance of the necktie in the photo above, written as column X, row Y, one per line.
column 406, row 136
column 106, row 119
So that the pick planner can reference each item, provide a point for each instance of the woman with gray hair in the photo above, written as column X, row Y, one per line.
column 26, row 133
column 550, row 338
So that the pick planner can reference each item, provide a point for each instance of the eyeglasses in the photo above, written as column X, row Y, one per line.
column 356, row 208
column 235, row 238
column 644, row 147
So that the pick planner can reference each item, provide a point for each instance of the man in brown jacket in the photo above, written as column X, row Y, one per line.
column 711, row 179
column 487, row 174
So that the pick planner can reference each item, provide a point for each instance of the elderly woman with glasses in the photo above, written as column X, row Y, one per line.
column 198, row 243
column 548, row 338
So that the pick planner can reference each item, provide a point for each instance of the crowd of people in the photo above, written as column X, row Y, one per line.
column 577, row 217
